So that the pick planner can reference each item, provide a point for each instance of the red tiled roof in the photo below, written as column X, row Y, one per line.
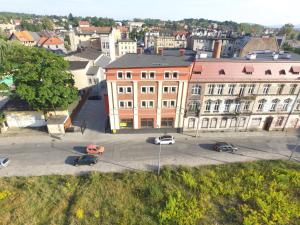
column 249, row 69
column 296, row 69
column 82, row 22
column 50, row 41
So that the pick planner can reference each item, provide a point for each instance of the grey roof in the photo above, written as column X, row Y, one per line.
column 77, row 65
column 92, row 70
column 88, row 53
column 103, row 61
column 140, row 60
column 35, row 36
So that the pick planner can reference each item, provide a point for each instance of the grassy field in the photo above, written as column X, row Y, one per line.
column 256, row 193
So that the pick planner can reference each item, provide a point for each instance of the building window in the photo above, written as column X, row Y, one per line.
column 128, row 75
column 166, row 89
column 242, row 90
column 293, row 89
column 147, row 104
column 213, row 123
column 233, row 122
column 266, row 89
column 152, row 75
column 196, row 89
column 217, row 106
column 167, row 75
column 121, row 90
column 279, row 121
column 211, row 88
column 282, row 72
column 143, row 75
column 169, row 103
column 126, row 123
column 268, row 72
column 194, row 106
column 173, row 89
column 121, row 104
column 261, row 104
column 227, row 105
column 147, row 123
column 280, row 89
column 255, row 122
column 246, row 106
column 90, row 81
column 231, row 89
column 150, row 89
column 165, row 104
column 242, row 122
column 144, row 90
column 220, row 89
column 207, row 106
column 297, row 108
column 172, row 104
column 120, row 75
column 237, row 106
column 286, row 104
column 205, row 123
column 167, row 122
column 128, row 90
column 251, row 88
column 274, row 104
column 223, row 123
column 175, row 75
column 191, row 123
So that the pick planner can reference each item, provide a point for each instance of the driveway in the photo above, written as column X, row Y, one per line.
column 93, row 115
column 137, row 152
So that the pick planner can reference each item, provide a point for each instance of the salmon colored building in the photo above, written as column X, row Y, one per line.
column 147, row 91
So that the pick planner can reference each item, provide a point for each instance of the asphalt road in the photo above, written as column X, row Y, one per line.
column 137, row 152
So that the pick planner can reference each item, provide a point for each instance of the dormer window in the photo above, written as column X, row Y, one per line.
column 268, row 72
column 221, row 72
column 282, row 72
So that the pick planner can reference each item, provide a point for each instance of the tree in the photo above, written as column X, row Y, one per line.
column 47, row 24
column 287, row 29
column 41, row 78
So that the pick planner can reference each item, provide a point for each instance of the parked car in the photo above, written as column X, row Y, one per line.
column 85, row 160
column 164, row 140
column 224, row 147
column 94, row 149
column 4, row 161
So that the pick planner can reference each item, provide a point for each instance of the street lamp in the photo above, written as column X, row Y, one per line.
column 158, row 168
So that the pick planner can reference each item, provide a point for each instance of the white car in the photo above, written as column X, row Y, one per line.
column 4, row 161
column 164, row 140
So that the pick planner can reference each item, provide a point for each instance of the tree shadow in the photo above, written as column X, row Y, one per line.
column 293, row 147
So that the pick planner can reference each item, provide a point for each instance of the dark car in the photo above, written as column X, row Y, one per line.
column 85, row 160
column 224, row 147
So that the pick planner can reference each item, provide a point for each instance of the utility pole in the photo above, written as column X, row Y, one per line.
column 158, row 168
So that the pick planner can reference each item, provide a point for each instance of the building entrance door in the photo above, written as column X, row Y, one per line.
column 268, row 123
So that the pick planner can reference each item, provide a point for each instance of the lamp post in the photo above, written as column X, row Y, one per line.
column 158, row 168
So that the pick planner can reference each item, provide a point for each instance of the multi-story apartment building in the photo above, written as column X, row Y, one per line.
column 126, row 46
column 251, row 93
column 177, row 40
column 147, row 91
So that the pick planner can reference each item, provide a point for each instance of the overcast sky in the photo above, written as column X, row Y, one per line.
column 266, row 12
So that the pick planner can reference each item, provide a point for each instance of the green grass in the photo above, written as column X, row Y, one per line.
column 255, row 193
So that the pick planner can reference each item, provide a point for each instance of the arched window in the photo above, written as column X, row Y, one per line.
column 196, row 89
column 217, row 105
column 207, row 105
column 274, row 104
column 261, row 104
column 205, row 123
column 286, row 104
column 194, row 106
column 192, row 122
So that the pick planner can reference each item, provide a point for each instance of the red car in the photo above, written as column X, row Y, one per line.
column 94, row 149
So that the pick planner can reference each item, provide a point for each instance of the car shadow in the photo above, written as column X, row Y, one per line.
column 70, row 159
column 150, row 140
column 79, row 149
column 206, row 146
column 293, row 147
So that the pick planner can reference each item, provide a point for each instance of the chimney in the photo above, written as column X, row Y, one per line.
column 217, row 49
column 160, row 51
column 181, row 52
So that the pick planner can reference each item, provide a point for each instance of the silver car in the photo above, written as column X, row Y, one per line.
column 4, row 161
column 165, row 140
